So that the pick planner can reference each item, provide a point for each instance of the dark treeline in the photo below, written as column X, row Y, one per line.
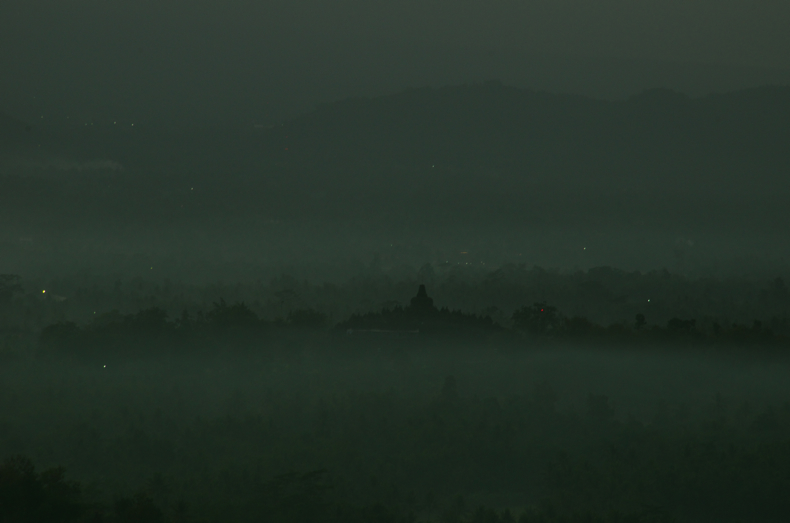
column 601, row 304
column 150, row 331
column 31, row 497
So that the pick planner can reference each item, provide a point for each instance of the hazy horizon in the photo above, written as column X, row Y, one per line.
column 288, row 261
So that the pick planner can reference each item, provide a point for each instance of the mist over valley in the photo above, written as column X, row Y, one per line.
column 413, row 262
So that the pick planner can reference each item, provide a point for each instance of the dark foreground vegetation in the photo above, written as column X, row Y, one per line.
column 273, row 406
column 387, row 434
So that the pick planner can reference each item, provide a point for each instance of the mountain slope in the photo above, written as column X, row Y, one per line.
column 657, row 137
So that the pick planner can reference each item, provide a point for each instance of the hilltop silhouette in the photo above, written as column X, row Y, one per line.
column 469, row 132
column 424, row 161
column 530, row 133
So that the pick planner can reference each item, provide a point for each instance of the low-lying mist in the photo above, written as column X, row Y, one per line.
column 219, row 323
column 431, row 421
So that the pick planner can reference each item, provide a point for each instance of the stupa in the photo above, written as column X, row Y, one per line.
column 422, row 303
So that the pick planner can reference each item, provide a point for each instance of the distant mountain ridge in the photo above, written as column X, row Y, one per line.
column 470, row 154
column 537, row 134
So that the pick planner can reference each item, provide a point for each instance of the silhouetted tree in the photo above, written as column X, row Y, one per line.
column 296, row 498
column 598, row 406
column 150, row 322
column 308, row 318
column 780, row 289
column 540, row 318
column 26, row 496
column 678, row 326
column 579, row 326
column 224, row 316
column 138, row 509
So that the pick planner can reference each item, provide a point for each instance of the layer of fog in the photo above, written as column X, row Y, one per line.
column 638, row 382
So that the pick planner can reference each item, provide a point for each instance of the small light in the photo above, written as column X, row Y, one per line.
column 648, row 300
column 43, row 292
column 105, row 366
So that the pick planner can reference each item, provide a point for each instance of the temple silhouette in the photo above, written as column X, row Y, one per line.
column 420, row 317
column 422, row 303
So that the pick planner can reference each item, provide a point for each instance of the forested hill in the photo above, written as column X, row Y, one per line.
column 491, row 127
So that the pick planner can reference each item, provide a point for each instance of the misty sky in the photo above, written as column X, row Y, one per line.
column 246, row 61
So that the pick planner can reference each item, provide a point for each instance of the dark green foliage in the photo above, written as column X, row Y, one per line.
column 296, row 498
column 111, row 333
column 63, row 337
column 149, row 331
column 678, row 326
column 581, row 328
column 138, row 509
column 540, row 318
column 237, row 316
column 178, row 433
column 599, row 408
column 308, row 318
column 29, row 497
